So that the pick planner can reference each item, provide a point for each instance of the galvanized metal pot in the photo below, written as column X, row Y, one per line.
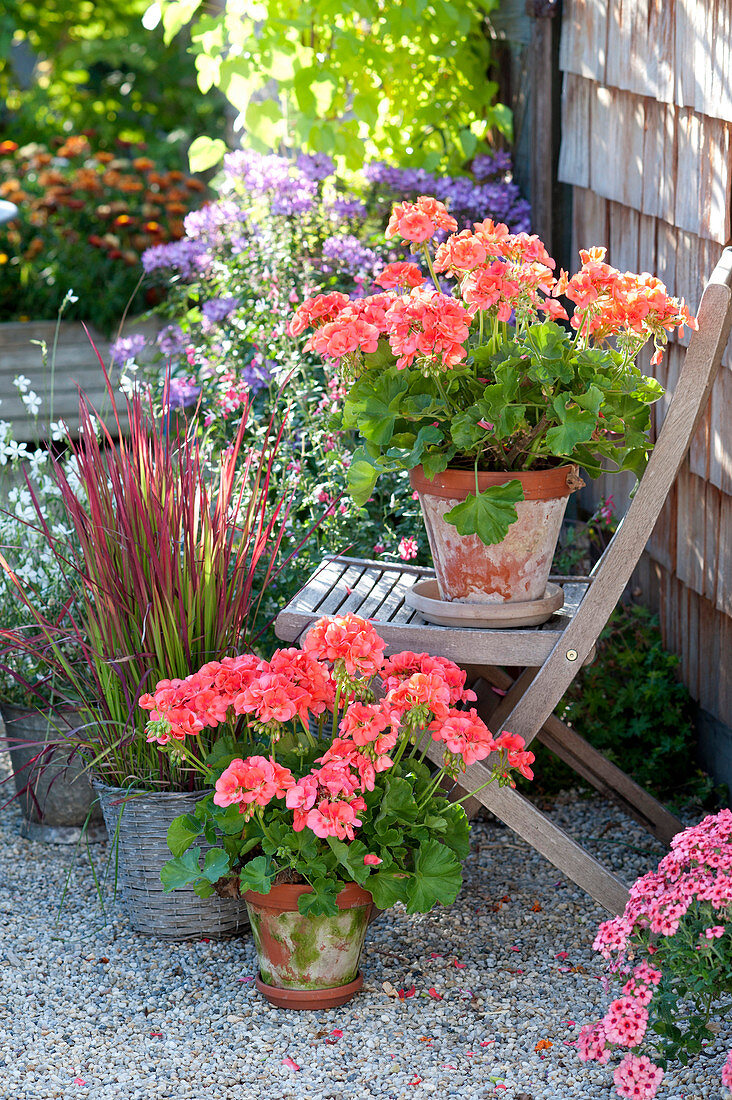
column 54, row 791
column 308, row 962
column 137, row 823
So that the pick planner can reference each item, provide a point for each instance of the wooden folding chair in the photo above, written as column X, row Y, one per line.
column 550, row 655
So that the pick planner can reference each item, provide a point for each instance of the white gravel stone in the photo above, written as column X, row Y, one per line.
column 84, row 1000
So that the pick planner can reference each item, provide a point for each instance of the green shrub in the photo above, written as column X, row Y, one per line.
column 631, row 706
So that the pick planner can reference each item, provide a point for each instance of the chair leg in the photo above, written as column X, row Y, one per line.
column 574, row 750
column 548, row 839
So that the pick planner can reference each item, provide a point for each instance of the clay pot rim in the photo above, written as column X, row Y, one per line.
column 453, row 484
column 283, row 897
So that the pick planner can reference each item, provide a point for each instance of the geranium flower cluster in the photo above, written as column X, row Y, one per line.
column 506, row 276
column 341, row 656
column 680, row 918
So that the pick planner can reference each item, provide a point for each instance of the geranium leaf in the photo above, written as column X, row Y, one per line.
column 437, row 878
column 256, row 875
column 181, row 871
column 489, row 514
column 361, row 478
column 215, row 864
column 182, row 832
column 387, row 888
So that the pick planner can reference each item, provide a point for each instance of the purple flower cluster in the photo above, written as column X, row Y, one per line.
column 289, row 190
column 487, row 165
column 257, row 374
column 214, row 223
column 316, row 166
column 189, row 258
column 127, row 347
column 348, row 208
column 182, row 394
column 491, row 194
column 218, row 309
column 171, row 340
column 348, row 255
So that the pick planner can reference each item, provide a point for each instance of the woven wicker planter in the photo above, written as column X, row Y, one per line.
column 139, row 824
column 57, row 799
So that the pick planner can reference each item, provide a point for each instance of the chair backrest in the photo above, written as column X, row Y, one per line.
column 613, row 571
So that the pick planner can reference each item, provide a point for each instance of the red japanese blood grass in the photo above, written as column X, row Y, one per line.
column 173, row 556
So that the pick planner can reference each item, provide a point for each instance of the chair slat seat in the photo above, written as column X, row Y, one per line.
column 376, row 591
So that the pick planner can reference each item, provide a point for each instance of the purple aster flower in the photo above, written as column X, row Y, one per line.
column 218, row 309
column 127, row 347
column 171, row 340
column 316, row 166
column 189, row 258
column 182, row 394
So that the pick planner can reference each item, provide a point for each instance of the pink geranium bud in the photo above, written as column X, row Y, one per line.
column 371, row 860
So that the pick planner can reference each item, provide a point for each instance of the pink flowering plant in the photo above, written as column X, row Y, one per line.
column 673, row 948
column 316, row 780
column 471, row 367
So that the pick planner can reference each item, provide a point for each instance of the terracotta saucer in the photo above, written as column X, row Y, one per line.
column 309, row 998
column 424, row 597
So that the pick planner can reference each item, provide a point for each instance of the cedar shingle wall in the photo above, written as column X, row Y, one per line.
column 646, row 142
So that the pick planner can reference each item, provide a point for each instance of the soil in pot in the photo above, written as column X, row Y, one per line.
column 516, row 569
column 308, row 961
column 54, row 790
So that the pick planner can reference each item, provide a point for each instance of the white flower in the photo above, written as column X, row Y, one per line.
column 21, row 383
column 32, row 402
column 58, row 430
column 13, row 451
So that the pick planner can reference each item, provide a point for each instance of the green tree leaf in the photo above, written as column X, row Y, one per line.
column 489, row 514
column 204, row 152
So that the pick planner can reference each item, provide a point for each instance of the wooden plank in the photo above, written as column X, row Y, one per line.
column 690, row 530
column 624, row 237
column 583, row 44
column 723, row 597
column 711, row 563
column 574, row 151
column 543, row 835
column 720, row 436
column 659, row 162
column 590, row 224
column 326, row 577
column 662, row 543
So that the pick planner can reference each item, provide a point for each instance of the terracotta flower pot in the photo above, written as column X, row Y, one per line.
column 516, row 569
column 308, row 961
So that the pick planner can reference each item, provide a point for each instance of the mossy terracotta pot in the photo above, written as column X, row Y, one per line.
column 308, row 962
column 516, row 569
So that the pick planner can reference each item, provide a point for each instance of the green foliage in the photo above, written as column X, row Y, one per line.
column 368, row 77
column 80, row 65
column 488, row 514
column 631, row 706
column 524, row 398
column 418, row 835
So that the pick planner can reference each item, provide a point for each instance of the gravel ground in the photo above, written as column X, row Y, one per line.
column 91, row 1009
